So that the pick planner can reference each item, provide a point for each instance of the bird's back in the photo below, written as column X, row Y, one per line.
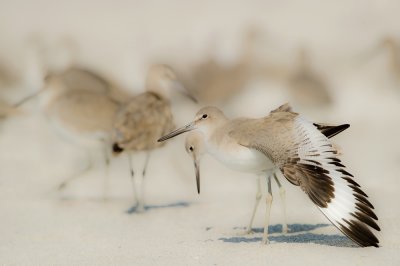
column 140, row 122
column 84, row 111
column 82, row 79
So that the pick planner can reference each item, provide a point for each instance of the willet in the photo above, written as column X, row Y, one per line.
column 81, row 78
column 79, row 107
column 144, row 118
column 211, row 81
column 195, row 147
column 307, row 86
column 287, row 142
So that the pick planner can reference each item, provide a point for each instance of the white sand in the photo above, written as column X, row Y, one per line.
column 42, row 227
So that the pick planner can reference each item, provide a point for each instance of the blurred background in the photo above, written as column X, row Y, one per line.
column 335, row 62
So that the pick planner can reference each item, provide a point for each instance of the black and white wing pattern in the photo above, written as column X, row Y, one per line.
column 327, row 129
column 308, row 159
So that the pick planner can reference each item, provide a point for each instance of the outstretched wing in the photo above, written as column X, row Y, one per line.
column 307, row 158
column 328, row 130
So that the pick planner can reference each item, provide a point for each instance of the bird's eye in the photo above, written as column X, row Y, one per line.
column 191, row 148
column 204, row 116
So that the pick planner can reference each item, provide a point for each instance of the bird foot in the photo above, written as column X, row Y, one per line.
column 137, row 208
column 284, row 229
column 265, row 241
column 140, row 208
column 246, row 232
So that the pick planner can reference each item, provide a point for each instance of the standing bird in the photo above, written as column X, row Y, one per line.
column 195, row 147
column 78, row 105
column 212, row 81
column 144, row 118
column 80, row 78
column 287, row 142
column 307, row 86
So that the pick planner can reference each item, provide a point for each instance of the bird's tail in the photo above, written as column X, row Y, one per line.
column 117, row 149
column 329, row 130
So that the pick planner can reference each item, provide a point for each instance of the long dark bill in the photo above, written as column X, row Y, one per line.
column 177, row 132
column 197, row 170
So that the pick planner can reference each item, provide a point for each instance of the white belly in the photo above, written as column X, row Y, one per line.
column 240, row 158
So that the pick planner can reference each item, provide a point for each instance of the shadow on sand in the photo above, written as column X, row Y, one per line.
column 179, row 204
column 295, row 236
column 292, row 228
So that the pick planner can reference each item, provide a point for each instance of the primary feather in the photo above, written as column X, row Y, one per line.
column 308, row 159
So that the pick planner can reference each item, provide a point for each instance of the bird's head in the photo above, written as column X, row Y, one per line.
column 205, row 121
column 194, row 146
column 162, row 79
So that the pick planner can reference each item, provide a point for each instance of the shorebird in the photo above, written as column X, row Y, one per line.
column 139, row 122
column 307, row 86
column 78, row 105
column 195, row 147
column 287, row 142
column 81, row 78
column 212, row 81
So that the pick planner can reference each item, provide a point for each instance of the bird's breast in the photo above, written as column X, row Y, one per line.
column 240, row 158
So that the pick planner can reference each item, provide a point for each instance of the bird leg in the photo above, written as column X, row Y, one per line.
column 282, row 193
column 269, row 199
column 146, row 163
column 258, row 198
column 141, row 205
column 82, row 172
column 106, row 171
column 135, row 194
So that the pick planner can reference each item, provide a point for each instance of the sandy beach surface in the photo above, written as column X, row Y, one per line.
column 42, row 226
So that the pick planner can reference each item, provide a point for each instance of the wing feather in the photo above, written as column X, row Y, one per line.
column 308, row 159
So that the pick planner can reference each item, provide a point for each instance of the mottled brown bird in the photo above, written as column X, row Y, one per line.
column 141, row 121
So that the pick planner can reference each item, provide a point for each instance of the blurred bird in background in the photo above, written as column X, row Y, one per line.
column 79, row 103
column 81, row 112
column 145, row 117
column 306, row 86
column 214, row 82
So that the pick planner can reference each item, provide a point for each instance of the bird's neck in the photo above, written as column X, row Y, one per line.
column 158, row 87
column 215, row 132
